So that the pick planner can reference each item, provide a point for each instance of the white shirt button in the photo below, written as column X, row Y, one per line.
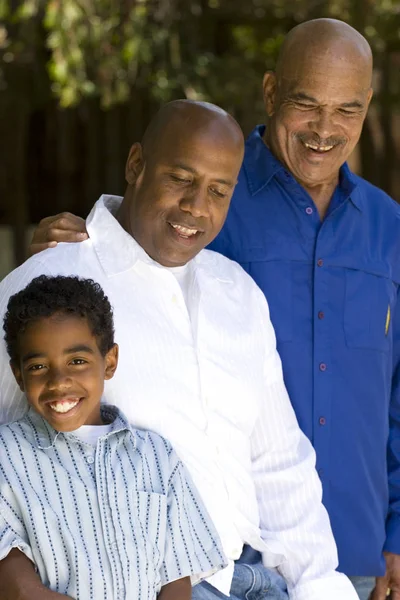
column 90, row 460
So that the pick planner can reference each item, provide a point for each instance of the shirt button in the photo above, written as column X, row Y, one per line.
column 320, row 262
column 322, row 367
column 175, row 299
column 90, row 460
column 322, row 421
column 321, row 315
column 114, row 545
column 309, row 210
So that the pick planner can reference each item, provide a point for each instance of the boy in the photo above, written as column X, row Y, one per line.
column 103, row 511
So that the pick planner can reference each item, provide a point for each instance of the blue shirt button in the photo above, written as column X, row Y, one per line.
column 322, row 367
column 309, row 210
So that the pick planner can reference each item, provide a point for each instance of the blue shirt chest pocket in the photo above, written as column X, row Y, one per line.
column 368, row 310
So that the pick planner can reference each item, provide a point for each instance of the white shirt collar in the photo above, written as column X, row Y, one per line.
column 118, row 251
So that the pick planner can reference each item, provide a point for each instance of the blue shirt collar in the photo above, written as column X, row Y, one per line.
column 45, row 436
column 260, row 166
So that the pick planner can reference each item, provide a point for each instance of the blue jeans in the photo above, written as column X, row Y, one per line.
column 363, row 585
column 251, row 581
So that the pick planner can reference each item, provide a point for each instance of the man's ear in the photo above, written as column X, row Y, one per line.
column 269, row 92
column 134, row 164
column 111, row 360
column 17, row 374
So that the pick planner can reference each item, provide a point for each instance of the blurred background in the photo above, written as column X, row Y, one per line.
column 80, row 79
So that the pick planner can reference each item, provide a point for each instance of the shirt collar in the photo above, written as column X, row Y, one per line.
column 261, row 166
column 259, row 163
column 118, row 251
column 45, row 436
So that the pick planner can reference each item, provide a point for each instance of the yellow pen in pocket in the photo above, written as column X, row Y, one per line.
column 387, row 320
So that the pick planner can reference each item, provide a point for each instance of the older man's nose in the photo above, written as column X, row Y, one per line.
column 323, row 124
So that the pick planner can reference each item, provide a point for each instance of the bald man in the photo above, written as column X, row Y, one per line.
column 198, row 364
column 323, row 245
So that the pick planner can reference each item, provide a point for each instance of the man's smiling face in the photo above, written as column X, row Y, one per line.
column 317, row 106
column 182, row 187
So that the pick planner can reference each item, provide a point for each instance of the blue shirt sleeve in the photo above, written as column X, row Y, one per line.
column 393, row 520
column 192, row 545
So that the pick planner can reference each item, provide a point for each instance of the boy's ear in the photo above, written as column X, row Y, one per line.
column 111, row 360
column 17, row 374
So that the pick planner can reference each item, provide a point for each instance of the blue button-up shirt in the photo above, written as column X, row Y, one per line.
column 111, row 521
column 332, row 289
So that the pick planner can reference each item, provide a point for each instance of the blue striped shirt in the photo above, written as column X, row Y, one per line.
column 112, row 521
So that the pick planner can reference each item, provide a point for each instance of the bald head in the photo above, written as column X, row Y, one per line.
column 182, row 116
column 327, row 39
column 317, row 100
column 181, row 179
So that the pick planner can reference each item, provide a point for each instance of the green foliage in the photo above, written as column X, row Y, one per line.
column 215, row 49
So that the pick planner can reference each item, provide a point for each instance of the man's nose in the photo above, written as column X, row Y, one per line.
column 58, row 379
column 195, row 202
column 322, row 124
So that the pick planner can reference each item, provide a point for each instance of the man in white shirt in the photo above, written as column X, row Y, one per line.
column 198, row 361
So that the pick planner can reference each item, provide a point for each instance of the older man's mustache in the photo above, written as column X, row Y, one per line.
column 313, row 140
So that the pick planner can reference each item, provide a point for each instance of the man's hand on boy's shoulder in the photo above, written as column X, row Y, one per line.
column 181, row 589
column 27, row 586
column 64, row 227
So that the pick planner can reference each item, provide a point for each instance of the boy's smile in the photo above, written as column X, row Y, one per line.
column 62, row 371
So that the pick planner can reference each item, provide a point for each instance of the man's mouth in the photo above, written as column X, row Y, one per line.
column 64, row 405
column 185, row 232
column 318, row 148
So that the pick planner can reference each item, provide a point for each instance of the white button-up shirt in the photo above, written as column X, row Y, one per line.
column 207, row 376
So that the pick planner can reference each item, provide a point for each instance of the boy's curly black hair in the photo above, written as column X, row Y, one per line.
column 45, row 296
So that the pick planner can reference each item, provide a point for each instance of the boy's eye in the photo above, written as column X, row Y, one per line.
column 36, row 367
column 78, row 361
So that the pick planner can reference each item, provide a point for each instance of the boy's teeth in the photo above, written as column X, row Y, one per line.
column 185, row 230
column 63, row 406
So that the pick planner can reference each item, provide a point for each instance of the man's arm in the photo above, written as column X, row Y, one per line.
column 392, row 546
column 19, row 580
column 289, row 492
column 64, row 227
column 181, row 589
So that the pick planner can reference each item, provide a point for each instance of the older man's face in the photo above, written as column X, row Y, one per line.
column 316, row 116
column 182, row 195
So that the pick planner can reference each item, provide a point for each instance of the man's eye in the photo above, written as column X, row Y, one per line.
column 303, row 106
column 35, row 367
column 179, row 179
column 217, row 193
column 346, row 112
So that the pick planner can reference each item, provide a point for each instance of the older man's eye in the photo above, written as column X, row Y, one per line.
column 179, row 179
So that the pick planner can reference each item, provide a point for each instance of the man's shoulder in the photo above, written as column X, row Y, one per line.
column 376, row 198
column 224, row 269
column 64, row 259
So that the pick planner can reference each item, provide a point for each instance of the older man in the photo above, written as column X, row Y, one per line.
column 324, row 246
column 198, row 360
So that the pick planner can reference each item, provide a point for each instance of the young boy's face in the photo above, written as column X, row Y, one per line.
column 62, row 371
